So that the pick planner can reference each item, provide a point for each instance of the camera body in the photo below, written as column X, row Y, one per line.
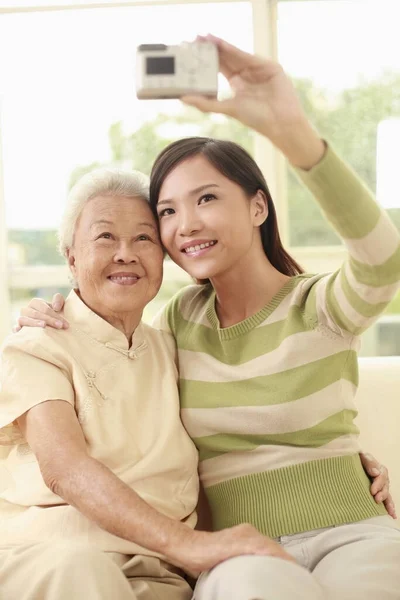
column 174, row 71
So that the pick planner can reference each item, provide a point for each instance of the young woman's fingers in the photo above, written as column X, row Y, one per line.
column 40, row 310
column 57, row 302
column 229, row 51
column 28, row 322
column 207, row 105
column 30, row 317
column 232, row 60
column 35, row 304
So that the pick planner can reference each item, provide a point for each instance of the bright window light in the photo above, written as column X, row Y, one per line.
column 387, row 163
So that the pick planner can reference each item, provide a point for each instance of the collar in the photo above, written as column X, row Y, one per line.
column 243, row 327
column 81, row 317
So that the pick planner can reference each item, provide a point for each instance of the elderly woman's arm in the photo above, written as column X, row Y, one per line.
column 53, row 432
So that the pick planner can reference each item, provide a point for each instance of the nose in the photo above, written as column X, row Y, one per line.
column 126, row 253
column 189, row 222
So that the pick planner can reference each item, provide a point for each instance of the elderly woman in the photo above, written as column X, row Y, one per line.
column 98, row 481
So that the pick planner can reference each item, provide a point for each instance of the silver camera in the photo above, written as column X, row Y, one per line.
column 175, row 71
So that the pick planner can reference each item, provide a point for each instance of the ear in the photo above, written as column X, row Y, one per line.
column 259, row 205
column 70, row 255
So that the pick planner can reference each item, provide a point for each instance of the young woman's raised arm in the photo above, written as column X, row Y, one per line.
column 264, row 99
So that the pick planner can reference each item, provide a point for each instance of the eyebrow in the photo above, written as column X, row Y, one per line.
column 106, row 222
column 101, row 222
column 193, row 192
column 150, row 225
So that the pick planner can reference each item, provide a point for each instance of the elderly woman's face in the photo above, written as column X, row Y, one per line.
column 116, row 257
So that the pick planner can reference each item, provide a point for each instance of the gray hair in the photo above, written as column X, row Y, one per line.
column 100, row 182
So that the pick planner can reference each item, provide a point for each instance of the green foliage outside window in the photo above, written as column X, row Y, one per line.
column 349, row 122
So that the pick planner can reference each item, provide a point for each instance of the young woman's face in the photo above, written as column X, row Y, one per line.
column 208, row 225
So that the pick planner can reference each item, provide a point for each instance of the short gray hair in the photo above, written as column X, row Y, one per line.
column 100, row 182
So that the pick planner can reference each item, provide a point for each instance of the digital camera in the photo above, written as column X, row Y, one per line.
column 174, row 71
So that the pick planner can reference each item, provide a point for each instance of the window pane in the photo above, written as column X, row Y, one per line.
column 345, row 61
column 68, row 104
column 73, row 105
column 348, row 88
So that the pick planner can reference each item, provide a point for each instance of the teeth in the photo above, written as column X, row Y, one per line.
column 198, row 247
column 124, row 278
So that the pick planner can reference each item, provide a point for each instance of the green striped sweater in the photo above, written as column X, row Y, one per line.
column 269, row 402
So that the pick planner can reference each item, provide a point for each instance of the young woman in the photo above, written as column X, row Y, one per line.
column 268, row 354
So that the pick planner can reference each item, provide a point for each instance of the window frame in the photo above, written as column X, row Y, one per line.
column 48, row 7
column 5, row 304
column 271, row 162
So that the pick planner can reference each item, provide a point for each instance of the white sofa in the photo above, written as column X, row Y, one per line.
column 378, row 402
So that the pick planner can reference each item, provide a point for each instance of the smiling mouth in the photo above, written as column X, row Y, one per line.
column 198, row 247
column 123, row 279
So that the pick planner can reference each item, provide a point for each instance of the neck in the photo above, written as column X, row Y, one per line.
column 245, row 289
column 124, row 322
column 127, row 324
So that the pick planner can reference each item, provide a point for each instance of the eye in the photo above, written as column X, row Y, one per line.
column 165, row 212
column 206, row 198
column 106, row 236
column 143, row 237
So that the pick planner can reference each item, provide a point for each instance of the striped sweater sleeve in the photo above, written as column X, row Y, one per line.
column 352, row 298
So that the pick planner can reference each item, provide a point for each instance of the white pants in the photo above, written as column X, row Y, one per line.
column 360, row 561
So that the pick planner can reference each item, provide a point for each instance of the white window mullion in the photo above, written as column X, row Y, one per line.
column 4, row 279
column 270, row 160
column 24, row 7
